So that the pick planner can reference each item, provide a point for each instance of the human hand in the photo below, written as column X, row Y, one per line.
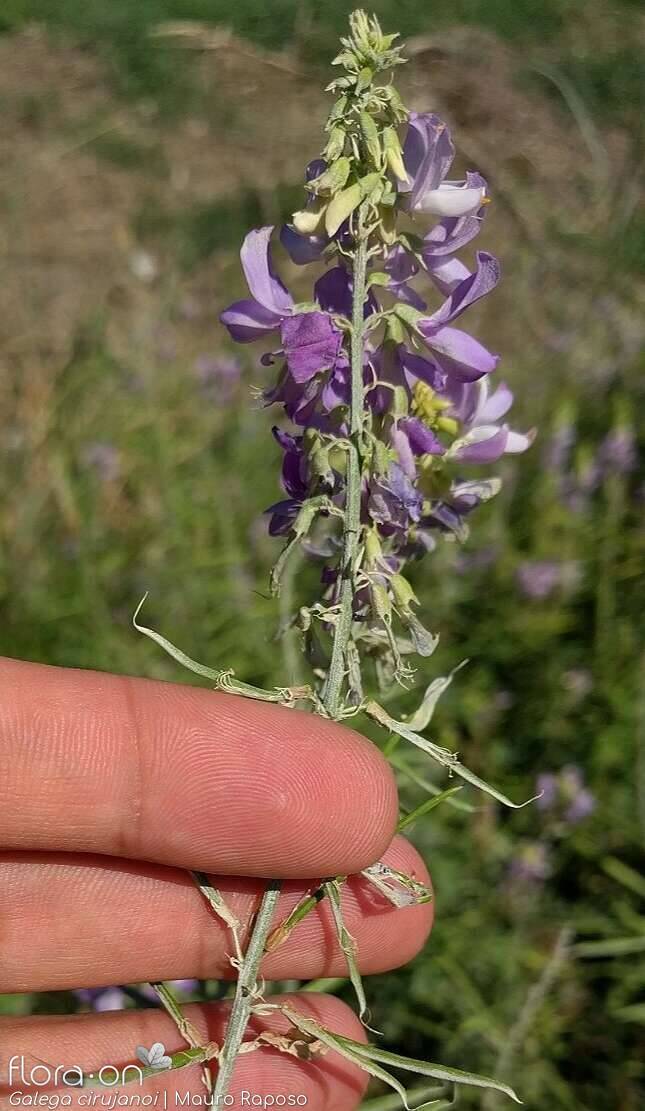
column 110, row 788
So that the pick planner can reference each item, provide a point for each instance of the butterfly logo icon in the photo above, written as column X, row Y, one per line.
column 155, row 1057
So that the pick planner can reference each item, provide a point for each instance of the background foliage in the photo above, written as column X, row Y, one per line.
column 133, row 458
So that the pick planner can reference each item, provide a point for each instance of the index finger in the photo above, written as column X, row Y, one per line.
column 156, row 771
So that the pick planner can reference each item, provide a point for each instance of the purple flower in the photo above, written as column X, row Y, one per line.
column 537, row 579
column 295, row 480
column 445, row 239
column 411, row 438
column 478, row 410
column 531, row 864
column 115, row 998
column 559, row 447
column 104, row 459
column 270, row 302
column 565, row 795
column 457, row 353
column 393, row 501
column 617, row 453
column 102, row 999
column 428, row 154
column 303, row 248
column 311, row 343
column 219, row 375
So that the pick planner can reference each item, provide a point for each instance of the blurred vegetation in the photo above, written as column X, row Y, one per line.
column 134, row 467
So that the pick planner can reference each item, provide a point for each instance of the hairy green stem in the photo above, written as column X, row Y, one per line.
column 333, row 690
column 244, row 991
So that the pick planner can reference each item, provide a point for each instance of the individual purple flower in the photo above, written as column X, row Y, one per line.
column 295, row 480
column 537, row 579
column 428, row 154
column 447, row 237
column 219, row 375
column 393, row 501
column 565, row 795
column 531, row 865
column 102, row 999
column 457, row 353
column 104, row 459
column 311, row 343
column 546, row 787
column 558, row 448
column 310, row 340
column 580, row 802
column 270, row 302
column 482, row 438
column 301, row 247
column 617, row 452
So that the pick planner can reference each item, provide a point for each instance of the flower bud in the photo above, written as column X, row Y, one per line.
column 394, row 154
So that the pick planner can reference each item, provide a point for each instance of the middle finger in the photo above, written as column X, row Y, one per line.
column 71, row 920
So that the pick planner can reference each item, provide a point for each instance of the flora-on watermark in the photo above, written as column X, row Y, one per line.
column 38, row 1084
column 40, row 1074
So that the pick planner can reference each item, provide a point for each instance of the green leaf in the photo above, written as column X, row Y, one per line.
column 335, row 145
column 442, row 755
column 425, row 808
column 421, row 719
column 610, row 947
column 427, row 1068
column 346, row 1049
column 624, row 875
column 365, row 78
column 348, row 946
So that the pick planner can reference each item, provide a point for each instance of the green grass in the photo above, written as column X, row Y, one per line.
column 119, row 28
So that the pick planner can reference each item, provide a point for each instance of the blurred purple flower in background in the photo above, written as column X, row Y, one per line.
column 531, row 864
column 115, row 998
column 219, row 376
column 565, row 795
column 104, row 459
column 617, row 452
column 557, row 452
column 537, row 579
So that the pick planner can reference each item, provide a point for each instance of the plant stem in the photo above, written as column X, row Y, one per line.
column 246, row 985
column 352, row 522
